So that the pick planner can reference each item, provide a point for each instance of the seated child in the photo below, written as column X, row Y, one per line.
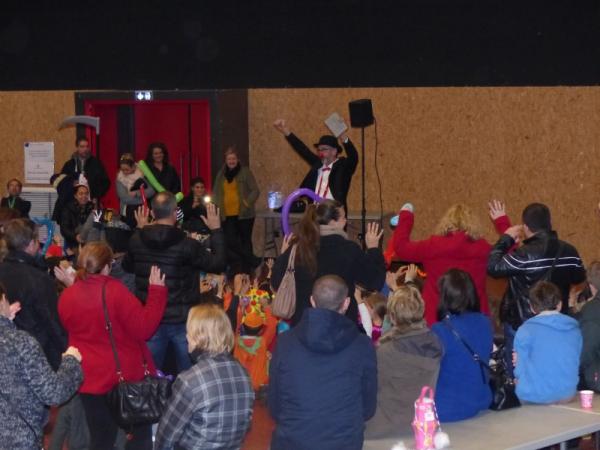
column 547, row 350
column 589, row 321
column 257, row 328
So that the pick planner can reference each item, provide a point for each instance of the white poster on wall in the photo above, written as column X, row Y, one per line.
column 39, row 162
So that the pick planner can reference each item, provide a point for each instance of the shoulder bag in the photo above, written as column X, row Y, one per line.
column 284, row 303
column 502, row 386
column 135, row 402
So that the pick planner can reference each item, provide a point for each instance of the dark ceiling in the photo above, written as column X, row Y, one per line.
column 226, row 44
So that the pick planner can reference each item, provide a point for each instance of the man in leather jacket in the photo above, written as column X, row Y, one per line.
column 541, row 257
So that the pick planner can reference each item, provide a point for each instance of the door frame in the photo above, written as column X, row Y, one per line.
column 228, row 111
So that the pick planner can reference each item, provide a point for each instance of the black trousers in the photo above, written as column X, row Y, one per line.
column 103, row 428
column 238, row 237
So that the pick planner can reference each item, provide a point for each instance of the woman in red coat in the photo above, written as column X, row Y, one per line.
column 82, row 315
column 456, row 244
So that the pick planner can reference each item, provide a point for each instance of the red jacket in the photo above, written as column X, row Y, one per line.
column 438, row 254
column 81, row 313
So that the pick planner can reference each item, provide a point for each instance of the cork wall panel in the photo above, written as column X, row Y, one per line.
column 440, row 146
column 33, row 116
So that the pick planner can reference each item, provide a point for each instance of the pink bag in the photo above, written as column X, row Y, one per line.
column 425, row 422
column 284, row 303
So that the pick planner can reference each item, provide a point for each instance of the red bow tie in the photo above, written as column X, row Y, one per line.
column 326, row 168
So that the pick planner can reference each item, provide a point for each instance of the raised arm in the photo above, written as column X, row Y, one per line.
column 299, row 147
column 404, row 248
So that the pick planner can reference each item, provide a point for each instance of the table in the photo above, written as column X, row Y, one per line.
column 529, row 427
column 273, row 229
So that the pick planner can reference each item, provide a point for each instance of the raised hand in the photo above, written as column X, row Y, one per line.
column 496, row 209
column 373, row 235
column 287, row 240
column 212, row 218
column 281, row 126
column 142, row 215
column 156, row 277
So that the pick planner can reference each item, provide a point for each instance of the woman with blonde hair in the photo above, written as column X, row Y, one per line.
column 457, row 243
column 211, row 403
column 82, row 312
column 408, row 358
column 323, row 248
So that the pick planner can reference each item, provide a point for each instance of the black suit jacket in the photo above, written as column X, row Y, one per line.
column 23, row 206
column 341, row 172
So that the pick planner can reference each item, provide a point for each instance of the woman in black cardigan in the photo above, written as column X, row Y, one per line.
column 323, row 248
column 157, row 159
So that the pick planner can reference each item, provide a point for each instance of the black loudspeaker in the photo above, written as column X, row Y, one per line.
column 361, row 113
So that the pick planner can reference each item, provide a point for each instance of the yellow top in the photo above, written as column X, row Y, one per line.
column 231, row 198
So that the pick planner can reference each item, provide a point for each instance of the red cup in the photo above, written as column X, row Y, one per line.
column 586, row 398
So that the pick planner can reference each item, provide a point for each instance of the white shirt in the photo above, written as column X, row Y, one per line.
column 322, row 186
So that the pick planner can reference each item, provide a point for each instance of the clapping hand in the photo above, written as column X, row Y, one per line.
column 65, row 275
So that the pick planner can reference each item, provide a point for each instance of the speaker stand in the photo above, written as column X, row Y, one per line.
column 363, row 212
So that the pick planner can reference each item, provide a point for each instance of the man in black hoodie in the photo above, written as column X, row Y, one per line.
column 323, row 376
column 181, row 259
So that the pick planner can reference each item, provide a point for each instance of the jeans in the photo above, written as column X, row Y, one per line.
column 509, row 339
column 176, row 335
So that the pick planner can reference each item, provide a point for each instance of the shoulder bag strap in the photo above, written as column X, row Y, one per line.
column 110, row 333
column 482, row 364
column 291, row 260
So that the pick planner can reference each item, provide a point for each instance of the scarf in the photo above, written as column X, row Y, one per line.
column 230, row 174
column 328, row 230
column 129, row 180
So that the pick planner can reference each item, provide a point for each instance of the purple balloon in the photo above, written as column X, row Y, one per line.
column 285, row 212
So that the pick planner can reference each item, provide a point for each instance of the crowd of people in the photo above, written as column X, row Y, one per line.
column 180, row 289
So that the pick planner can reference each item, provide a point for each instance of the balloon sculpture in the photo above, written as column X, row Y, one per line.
column 285, row 212
column 50, row 227
column 153, row 181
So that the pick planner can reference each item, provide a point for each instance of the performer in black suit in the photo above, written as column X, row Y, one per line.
column 330, row 175
column 13, row 200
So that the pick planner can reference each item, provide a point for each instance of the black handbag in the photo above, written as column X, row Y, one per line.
column 501, row 384
column 134, row 403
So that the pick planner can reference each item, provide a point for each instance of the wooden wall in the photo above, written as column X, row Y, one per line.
column 33, row 116
column 436, row 147
column 440, row 146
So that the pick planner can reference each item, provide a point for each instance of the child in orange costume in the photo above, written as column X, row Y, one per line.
column 254, row 335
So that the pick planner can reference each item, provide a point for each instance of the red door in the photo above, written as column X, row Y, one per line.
column 183, row 126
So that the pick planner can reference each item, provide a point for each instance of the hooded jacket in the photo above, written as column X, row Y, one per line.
column 179, row 258
column 323, row 384
column 529, row 264
column 548, row 348
column 405, row 363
